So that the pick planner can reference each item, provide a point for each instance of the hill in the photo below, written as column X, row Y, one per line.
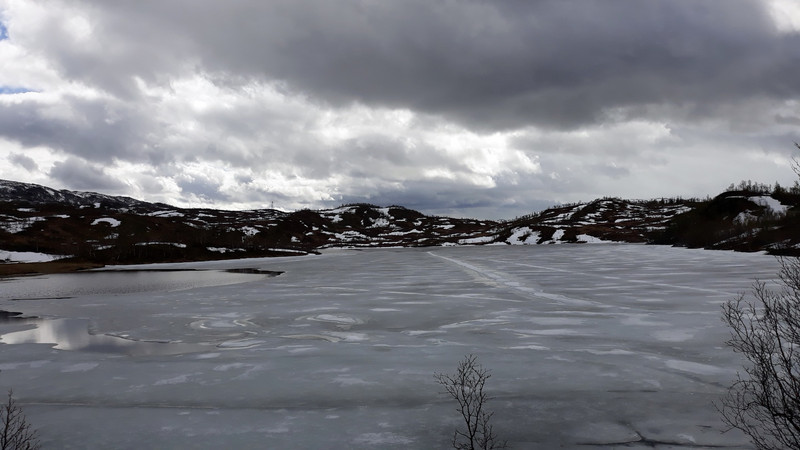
column 36, row 221
column 98, row 228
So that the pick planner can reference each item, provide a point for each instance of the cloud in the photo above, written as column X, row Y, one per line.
column 204, row 188
column 23, row 161
column 457, row 106
column 79, row 174
column 493, row 65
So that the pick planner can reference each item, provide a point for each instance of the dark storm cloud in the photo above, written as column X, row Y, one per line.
column 204, row 188
column 80, row 175
column 468, row 107
column 386, row 157
column 97, row 131
column 494, row 65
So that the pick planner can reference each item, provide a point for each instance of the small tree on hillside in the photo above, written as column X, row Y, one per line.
column 765, row 400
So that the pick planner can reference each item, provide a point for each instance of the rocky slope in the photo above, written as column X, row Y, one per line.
column 106, row 229
column 95, row 227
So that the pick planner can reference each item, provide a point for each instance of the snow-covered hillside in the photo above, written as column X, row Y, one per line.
column 100, row 228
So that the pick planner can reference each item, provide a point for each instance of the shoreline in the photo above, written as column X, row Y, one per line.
column 43, row 268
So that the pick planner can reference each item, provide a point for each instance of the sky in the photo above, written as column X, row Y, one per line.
column 466, row 108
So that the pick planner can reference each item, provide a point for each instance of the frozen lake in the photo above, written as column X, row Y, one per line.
column 589, row 346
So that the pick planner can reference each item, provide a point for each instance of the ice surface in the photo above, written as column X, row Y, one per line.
column 589, row 347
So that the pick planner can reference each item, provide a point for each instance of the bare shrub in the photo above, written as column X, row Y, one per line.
column 466, row 386
column 764, row 402
column 16, row 433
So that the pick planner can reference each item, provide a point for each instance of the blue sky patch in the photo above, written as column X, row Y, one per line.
column 4, row 90
column 3, row 31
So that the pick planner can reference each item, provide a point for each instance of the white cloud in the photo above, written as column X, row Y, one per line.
column 786, row 14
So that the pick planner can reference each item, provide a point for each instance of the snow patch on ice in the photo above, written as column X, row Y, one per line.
column 422, row 332
column 340, row 320
column 550, row 332
column 175, row 380
column 227, row 367
column 312, row 337
column 382, row 438
column 673, row 335
column 616, row 351
column 348, row 337
column 30, row 364
column 347, row 380
column 80, row 367
column 336, row 318
column 240, row 343
column 527, row 347
column 692, row 367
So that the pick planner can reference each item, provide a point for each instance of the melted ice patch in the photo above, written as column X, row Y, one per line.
column 73, row 334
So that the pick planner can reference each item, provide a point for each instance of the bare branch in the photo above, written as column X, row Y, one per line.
column 466, row 386
column 765, row 400
column 16, row 433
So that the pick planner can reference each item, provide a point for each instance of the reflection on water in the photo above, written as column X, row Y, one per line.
column 120, row 282
column 73, row 334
